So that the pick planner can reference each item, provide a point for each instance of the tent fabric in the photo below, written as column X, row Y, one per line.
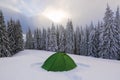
column 59, row 62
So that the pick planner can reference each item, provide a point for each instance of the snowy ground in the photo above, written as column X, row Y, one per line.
column 26, row 65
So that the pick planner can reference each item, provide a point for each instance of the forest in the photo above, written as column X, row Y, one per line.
column 101, row 40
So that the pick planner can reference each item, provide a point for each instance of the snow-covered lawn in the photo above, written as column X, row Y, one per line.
column 26, row 65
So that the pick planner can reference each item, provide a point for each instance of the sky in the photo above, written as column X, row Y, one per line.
column 81, row 12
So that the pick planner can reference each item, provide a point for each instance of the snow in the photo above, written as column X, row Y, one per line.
column 26, row 65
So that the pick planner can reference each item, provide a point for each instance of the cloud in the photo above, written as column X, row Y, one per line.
column 24, row 6
column 81, row 11
column 9, row 4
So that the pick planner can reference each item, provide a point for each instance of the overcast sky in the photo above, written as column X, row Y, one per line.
column 80, row 11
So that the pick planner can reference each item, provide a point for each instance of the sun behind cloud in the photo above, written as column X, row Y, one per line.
column 55, row 15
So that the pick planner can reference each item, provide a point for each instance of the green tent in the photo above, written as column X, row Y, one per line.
column 59, row 62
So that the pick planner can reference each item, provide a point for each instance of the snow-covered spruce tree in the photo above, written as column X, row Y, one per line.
column 77, row 40
column 88, row 30
column 69, row 46
column 86, row 40
column 5, row 50
column 100, row 31
column 117, row 19
column 57, row 34
column 29, row 40
column 48, row 39
column 117, row 30
column 61, row 46
column 18, row 37
column 11, row 35
column 15, row 36
column 37, row 39
column 53, row 39
column 82, row 41
column 43, row 42
column 97, row 38
column 93, row 41
column 109, row 45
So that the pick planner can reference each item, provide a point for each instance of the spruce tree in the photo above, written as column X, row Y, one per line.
column 37, row 39
column 69, row 46
column 61, row 46
column 11, row 35
column 109, row 45
column 48, row 39
column 43, row 42
column 82, row 41
column 93, row 42
column 29, row 40
column 58, row 34
column 15, row 36
column 77, row 40
column 5, row 49
column 117, row 30
column 86, row 40
column 53, row 39
column 18, row 36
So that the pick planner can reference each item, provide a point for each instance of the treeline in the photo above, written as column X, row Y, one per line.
column 101, row 40
column 11, row 38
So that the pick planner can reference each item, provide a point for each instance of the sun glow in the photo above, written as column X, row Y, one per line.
column 55, row 15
